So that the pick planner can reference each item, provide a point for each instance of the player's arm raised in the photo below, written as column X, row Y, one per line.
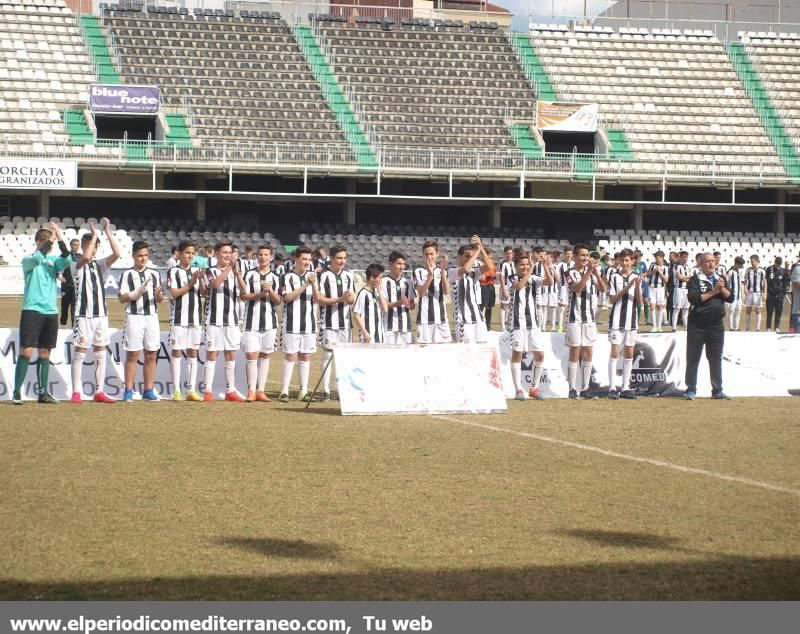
column 219, row 280
column 88, row 252
column 112, row 241
column 445, row 281
column 599, row 279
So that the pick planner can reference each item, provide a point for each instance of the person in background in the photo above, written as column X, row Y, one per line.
column 68, row 285
column 794, row 321
column 172, row 260
column 488, row 293
column 777, row 287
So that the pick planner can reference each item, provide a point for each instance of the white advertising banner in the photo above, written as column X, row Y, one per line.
column 566, row 117
column 753, row 364
column 38, row 174
column 435, row 379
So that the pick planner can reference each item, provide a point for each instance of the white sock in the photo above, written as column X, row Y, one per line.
column 516, row 374
column 77, row 369
column 675, row 314
column 685, row 313
column 627, row 368
column 587, row 374
column 175, row 366
column 326, row 375
column 552, row 310
column 263, row 373
column 747, row 321
column 662, row 316
column 230, row 376
column 612, row 373
column 654, row 313
column 737, row 318
column 286, row 375
column 572, row 375
column 191, row 370
column 730, row 318
column 99, row 371
column 540, row 316
column 538, row 370
column 561, row 311
column 503, row 318
column 208, row 374
column 305, row 369
column 758, row 322
column 252, row 375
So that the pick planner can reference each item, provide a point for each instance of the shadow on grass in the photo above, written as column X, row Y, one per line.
column 735, row 578
column 290, row 548
column 626, row 539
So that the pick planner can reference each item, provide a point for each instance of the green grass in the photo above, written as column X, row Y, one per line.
column 269, row 501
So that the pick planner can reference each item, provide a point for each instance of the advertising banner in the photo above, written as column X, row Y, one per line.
column 124, row 100
column 566, row 117
column 434, row 379
column 38, row 174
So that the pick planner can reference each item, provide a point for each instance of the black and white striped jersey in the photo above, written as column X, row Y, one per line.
column 90, row 288
column 247, row 264
column 553, row 289
column 431, row 306
column 222, row 305
column 655, row 279
column 299, row 316
column 331, row 286
column 522, row 315
column 260, row 315
column 623, row 314
column 130, row 280
column 609, row 272
column 288, row 265
column 321, row 263
column 398, row 319
column 755, row 280
column 720, row 271
column 734, row 278
column 681, row 269
column 465, row 293
column 507, row 269
column 186, row 308
column 563, row 270
column 538, row 271
column 369, row 309
column 583, row 305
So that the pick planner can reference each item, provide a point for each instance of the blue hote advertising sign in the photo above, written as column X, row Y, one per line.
column 124, row 100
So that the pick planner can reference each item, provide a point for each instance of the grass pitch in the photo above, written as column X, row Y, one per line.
column 648, row 499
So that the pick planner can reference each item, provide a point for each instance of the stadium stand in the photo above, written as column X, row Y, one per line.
column 45, row 70
column 430, row 84
column 676, row 90
column 729, row 243
column 245, row 78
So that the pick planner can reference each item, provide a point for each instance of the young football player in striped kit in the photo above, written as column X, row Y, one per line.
column 301, row 294
column 755, row 284
column 680, row 291
column 506, row 271
column 537, row 257
column 564, row 267
column 91, row 312
column 140, row 290
column 186, row 285
column 432, row 286
column 719, row 267
column 585, row 283
column 400, row 301
column 553, row 295
column 465, row 292
column 261, row 295
column 370, row 307
column 658, row 274
column 625, row 296
column 337, row 292
column 526, row 332
column 736, row 287
column 224, row 286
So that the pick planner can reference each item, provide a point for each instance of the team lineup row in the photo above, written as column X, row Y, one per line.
column 534, row 287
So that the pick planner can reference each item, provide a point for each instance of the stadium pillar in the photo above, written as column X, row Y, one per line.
column 780, row 212
column 496, row 215
column 200, row 208
column 638, row 217
column 350, row 204
column 44, row 204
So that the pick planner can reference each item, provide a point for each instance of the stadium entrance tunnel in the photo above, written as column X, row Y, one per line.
column 569, row 142
column 139, row 128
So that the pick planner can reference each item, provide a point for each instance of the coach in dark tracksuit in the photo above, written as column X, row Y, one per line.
column 777, row 287
column 708, row 294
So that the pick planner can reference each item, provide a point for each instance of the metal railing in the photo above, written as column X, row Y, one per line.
column 456, row 162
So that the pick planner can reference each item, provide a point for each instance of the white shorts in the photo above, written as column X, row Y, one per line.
column 261, row 342
column 141, row 332
column 680, row 299
column 753, row 299
column 529, row 340
column 658, row 296
column 626, row 338
column 185, row 337
column 90, row 331
column 331, row 337
column 737, row 305
column 471, row 333
column 563, row 297
column 399, row 338
column 220, row 338
column 580, row 335
column 304, row 344
column 552, row 298
column 434, row 333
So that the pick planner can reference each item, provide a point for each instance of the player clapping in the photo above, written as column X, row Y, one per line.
column 625, row 297
column 370, row 307
column 464, row 281
column 400, row 297
column 432, row 286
